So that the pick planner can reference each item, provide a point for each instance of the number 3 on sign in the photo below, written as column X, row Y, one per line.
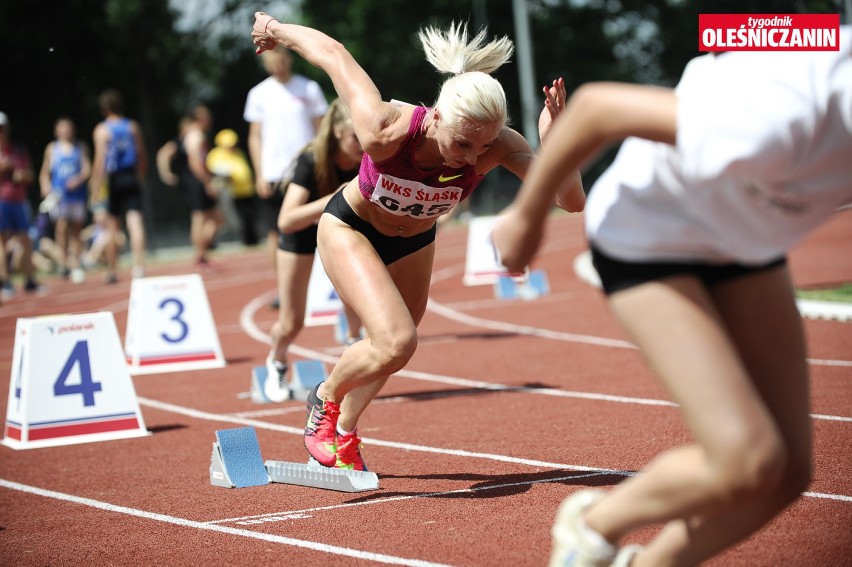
column 170, row 326
column 182, row 326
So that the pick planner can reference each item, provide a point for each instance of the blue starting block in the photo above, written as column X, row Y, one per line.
column 236, row 463
column 531, row 286
column 236, row 460
column 304, row 376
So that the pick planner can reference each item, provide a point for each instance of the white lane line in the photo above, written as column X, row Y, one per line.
column 333, row 549
column 300, row 431
column 253, row 331
column 203, row 415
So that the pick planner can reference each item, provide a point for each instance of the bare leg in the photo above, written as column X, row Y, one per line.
column 136, row 230
column 389, row 300
column 62, row 242
column 294, row 272
column 111, row 247
column 75, row 245
column 735, row 363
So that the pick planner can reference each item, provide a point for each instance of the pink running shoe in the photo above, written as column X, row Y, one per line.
column 349, row 453
column 321, row 429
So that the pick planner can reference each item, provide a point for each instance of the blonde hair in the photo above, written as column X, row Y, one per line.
column 325, row 144
column 471, row 93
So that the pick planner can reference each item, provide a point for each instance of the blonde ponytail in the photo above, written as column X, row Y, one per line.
column 471, row 93
column 451, row 52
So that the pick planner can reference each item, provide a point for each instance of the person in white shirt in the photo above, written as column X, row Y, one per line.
column 283, row 112
column 689, row 230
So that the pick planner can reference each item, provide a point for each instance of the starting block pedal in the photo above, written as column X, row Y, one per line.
column 318, row 476
column 236, row 460
column 236, row 463
column 304, row 377
column 531, row 286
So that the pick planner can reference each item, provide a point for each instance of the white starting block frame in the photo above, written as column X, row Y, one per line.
column 304, row 377
column 236, row 463
column 70, row 383
column 529, row 286
column 170, row 326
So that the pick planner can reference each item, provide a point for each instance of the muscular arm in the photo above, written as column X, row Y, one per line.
column 296, row 212
column 101, row 139
column 254, row 147
column 163, row 161
column 372, row 118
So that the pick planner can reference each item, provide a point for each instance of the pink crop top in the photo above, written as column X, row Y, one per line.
column 399, row 187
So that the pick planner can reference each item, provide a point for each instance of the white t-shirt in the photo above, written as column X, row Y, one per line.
column 286, row 113
column 763, row 156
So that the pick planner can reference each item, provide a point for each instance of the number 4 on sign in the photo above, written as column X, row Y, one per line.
column 86, row 387
column 83, row 395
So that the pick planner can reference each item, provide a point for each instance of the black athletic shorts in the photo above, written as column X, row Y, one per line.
column 125, row 193
column 272, row 205
column 617, row 275
column 301, row 242
column 390, row 248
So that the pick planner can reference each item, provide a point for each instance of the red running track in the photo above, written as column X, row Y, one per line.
column 507, row 407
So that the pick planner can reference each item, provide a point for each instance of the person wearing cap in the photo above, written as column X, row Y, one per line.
column 227, row 162
column 16, row 173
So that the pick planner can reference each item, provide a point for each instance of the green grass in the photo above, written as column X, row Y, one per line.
column 841, row 294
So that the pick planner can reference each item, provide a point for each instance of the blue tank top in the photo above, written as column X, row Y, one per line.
column 63, row 166
column 121, row 150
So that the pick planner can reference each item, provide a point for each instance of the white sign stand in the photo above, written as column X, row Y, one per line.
column 69, row 383
column 170, row 326
column 323, row 304
column 482, row 266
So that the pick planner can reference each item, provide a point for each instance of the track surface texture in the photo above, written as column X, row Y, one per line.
column 506, row 408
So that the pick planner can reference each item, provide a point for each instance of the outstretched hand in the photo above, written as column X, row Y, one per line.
column 554, row 103
column 259, row 32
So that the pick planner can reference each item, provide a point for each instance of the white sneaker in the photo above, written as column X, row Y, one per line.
column 276, row 387
column 78, row 276
column 137, row 272
column 574, row 543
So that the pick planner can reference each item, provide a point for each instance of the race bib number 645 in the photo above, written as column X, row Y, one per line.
column 410, row 198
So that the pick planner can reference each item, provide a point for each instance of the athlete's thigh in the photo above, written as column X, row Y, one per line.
column 760, row 313
column 361, row 279
column 412, row 275
column 679, row 331
column 294, row 273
